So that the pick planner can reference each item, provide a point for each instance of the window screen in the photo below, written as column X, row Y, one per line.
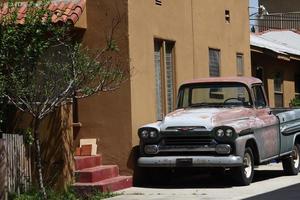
column 240, row 64
column 214, row 62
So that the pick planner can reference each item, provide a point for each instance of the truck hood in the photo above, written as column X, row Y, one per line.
column 207, row 118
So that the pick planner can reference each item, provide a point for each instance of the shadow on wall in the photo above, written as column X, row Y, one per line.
column 56, row 135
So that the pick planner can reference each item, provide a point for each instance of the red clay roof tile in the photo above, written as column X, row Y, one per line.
column 62, row 11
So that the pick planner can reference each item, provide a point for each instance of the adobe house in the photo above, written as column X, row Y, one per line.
column 275, row 57
column 162, row 43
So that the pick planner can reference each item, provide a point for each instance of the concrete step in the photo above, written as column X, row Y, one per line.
column 83, row 162
column 107, row 185
column 95, row 174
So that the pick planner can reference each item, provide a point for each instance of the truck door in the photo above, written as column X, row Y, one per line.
column 266, row 125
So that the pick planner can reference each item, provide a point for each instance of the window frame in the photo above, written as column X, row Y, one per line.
column 227, row 16
column 240, row 72
column 163, row 76
column 277, row 92
column 297, row 80
column 260, row 86
column 219, row 61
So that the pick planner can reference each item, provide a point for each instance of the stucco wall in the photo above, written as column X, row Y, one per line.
column 107, row 116
column 272, row 66
column 195, row 26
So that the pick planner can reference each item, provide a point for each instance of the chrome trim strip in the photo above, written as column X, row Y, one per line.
column 196, row 161
column 215, row 148
column 184, row 149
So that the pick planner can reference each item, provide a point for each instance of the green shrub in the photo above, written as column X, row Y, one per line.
column 68, row 195
column 295, row 102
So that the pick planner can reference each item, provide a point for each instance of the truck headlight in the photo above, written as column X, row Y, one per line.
column 229, row 132
column 225, row 133
column 153, row 134
column 148, row 133
column 220, row 133
column 144, row 134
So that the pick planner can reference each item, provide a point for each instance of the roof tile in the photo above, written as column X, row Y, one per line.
column 62, row 11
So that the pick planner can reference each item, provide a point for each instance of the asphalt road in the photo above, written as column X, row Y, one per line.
column 269, row 183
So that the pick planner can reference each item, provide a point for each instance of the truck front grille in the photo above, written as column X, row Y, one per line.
column 187, row 141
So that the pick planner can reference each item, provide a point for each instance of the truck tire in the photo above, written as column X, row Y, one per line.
column 291, row 164
column 243, row 175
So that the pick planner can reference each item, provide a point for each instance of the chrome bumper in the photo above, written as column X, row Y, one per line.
column 190, row 161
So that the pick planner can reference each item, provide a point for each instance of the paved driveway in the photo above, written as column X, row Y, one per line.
column 269, row 183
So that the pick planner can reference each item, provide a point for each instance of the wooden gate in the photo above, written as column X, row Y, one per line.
column 2, row 170
column 18, row 176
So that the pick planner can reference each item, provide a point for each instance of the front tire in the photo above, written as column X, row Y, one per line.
column 243, row 175
column 291, row 164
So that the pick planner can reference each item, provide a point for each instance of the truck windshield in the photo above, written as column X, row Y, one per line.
column 214, row 95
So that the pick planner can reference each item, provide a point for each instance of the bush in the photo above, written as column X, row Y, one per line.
column 295, row 102
column 68, row 195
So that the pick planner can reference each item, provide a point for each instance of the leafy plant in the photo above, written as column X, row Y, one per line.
column 41, row 67
column 70, row 194
column 295, row 102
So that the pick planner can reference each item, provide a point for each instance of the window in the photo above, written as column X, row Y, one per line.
column 297, row 86
column 158, row 2
column 278, row 90
column 214, row 62
column 240, row 64
column 164, row 76
column 227, row 16
column 200, row 95
column 259, row 97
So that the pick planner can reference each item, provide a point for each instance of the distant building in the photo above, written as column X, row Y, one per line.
column 280, row 6
column 282, row 15
column 275, row 57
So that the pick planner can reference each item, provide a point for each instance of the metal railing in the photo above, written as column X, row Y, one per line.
column 276, row 21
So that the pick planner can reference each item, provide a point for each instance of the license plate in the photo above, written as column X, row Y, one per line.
column 184, row 162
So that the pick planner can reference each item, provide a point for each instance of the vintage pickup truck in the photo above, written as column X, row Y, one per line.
column 222, row 123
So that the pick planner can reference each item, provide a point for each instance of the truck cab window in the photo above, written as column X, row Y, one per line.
column 259, row 98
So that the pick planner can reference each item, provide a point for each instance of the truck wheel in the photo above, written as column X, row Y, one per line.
column 291, row 164
column 243, row 175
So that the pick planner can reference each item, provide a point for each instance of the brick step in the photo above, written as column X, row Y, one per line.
column 95, row 174
column 83, row 162
column 107, row 185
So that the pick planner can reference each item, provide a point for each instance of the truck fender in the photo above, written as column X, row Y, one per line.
column 244, row 140
column 297, row 138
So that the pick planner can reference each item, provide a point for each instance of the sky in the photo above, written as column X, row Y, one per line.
column 253, row 3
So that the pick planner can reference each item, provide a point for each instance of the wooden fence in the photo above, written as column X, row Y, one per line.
column 2, row 169
column 18, row 176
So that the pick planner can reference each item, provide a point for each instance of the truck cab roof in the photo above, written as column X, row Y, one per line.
column 249, row 81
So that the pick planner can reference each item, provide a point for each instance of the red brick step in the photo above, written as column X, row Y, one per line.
column 95, row 174
column 83, row 162
column 107, row 185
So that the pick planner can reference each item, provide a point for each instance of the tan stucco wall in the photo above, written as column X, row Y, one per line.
column 272, row 66
column 107, row 116
column 195, row 26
